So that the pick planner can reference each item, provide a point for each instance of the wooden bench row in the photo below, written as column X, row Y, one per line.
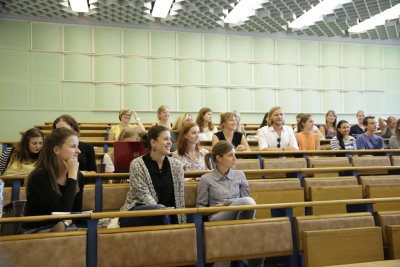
column 305, row 241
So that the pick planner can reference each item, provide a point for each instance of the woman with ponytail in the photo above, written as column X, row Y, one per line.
column 343, row 140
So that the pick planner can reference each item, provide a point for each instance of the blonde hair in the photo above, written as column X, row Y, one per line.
column 180, row 121
column 129, row 132
column 122, row 112
column 270, row 113
column 219, row 149
column 161, row 109
column 226, row 117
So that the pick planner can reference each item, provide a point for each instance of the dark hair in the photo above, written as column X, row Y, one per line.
column 22, row 152
column 219, row 149
column 48, row 161
column 181, row 143
column 365, row 121
column 339, row 136
column 303, row 119
column 200, row 120
column 153, row 133
column 68, row 119
column 264, row 121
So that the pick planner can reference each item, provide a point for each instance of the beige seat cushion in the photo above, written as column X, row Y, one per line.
column 88, row 202
column 190, row 194
column 248, row 164
column 368, row 161
column 395, row 160
column 338, row 221
column 164, row 245
column 323, row 162
column 257, row 238
column 49, row 249
column 274, row 183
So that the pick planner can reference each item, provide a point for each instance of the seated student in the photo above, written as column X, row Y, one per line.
column 388, row 127
column 22, row 158
column 358, row 128
column 394, row 141
column 228, row 132
column 314, row 129
column 163, row 117
column 369, row 140
column 343, row 140
column 207, row 128
column 156, row 181
column 87, row 157
column 306, row 138
column 239, row 128
column 125, row 123
column 276, row 135
column 189, row 152
column 224, row 186
column 129, row 134
column 55, row 185
column 328, row 130
column 177, row 128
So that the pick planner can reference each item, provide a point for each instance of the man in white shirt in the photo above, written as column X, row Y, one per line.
column 276, row 136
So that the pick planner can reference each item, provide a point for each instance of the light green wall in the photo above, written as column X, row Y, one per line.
column 47, row 69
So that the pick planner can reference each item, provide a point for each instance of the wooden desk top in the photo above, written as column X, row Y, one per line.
column 387, row 263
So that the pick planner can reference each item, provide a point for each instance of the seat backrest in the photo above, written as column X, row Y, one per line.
column 283, row 163
column 395, row 160
column 190, row 194
column 257, row 238
column 379, row 180
column 47, row 249
column 393, row 241
column 334, row 192
column 88, row 201
column 248, row 164
column 114, row 196
column 382, row 191
column 328, row 181
column 342, row 246
column 147, row 246
column 336, row 221
column 323, row 162
column 386, row 218
column 368, row 161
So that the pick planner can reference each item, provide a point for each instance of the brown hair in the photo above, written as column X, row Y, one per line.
column 225, row 117
column 181, row 143
column 365, row 121
column 48, row 161
column 68, row 119
column 219, row 149
column 334, row 114
column 397, row 131
column 200, row 119
column 153, row 133
column 303, row 119
column 22, row 153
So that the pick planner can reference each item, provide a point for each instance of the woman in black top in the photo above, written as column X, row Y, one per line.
column 87, row 159
column 56, row 184
column 228, row 125
column 358, row 128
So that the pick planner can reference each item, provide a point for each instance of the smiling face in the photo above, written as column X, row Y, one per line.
column 344, row 129
column 126, row 117
column 231, row 124
column 35, row 144
column 192, row 136
column 331, row 117
column 162, row 144
column 360, row 116
column 69, row 149
column 164, row 114
column 227, row 160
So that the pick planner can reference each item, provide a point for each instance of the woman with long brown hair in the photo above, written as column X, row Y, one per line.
column 204, row 120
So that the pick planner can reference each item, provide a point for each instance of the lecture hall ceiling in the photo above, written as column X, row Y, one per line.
column 272, row 17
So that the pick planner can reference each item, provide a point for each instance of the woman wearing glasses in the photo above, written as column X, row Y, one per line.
column 125, row 123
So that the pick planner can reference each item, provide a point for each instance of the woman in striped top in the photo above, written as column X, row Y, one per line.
column 343, row 140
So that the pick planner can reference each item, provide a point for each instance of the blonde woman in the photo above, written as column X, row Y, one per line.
column 163, row 117
column 125, row 123
column 228, row 132
column 388, row 127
